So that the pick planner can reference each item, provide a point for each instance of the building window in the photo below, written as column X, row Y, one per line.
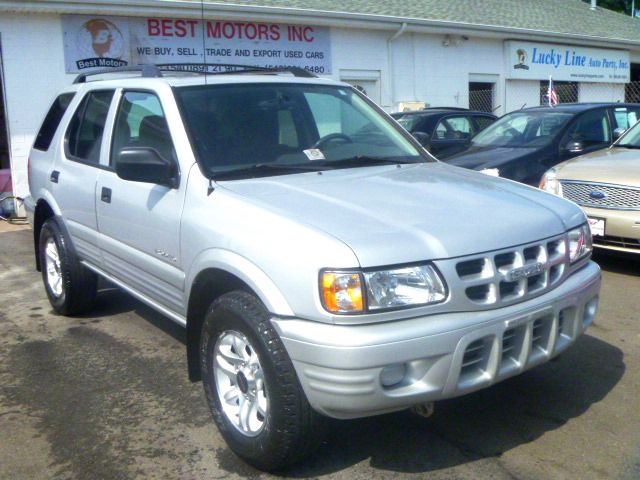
column 481, row 96
column 567, row 91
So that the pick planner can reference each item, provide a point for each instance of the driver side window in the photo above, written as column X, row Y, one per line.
column 592, row 129
column 140, row 122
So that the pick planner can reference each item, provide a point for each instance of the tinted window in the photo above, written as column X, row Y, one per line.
column 240, row 126
column 591, row 128
column 140, row 122
column 51, row 121
column 453, row 128
column 87, row 126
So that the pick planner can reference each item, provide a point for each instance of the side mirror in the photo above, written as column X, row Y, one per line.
column 144, row 164
column 617, row 133
column 574, row 147
column 423, row 139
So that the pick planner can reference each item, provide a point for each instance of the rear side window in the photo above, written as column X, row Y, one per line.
column 51, row 121
column 84, row 134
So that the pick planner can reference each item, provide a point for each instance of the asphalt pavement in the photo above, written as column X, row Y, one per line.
column 106, row 396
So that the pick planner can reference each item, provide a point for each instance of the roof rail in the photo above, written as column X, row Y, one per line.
column 149, row 71
column 155, row 71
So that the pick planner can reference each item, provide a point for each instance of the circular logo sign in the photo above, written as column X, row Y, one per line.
column 99, row 38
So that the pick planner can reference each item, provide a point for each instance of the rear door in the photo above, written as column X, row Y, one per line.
column 139, row 223
column 73, row 178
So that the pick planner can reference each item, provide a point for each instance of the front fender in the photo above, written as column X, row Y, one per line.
column 248, row 272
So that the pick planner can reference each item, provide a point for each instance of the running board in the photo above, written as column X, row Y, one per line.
column 179, row 319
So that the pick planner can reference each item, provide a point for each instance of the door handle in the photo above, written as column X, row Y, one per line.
column 54, row 176
column 105, row 195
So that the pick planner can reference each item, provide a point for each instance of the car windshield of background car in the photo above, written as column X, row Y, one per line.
column 523, row 130
column 288, row 127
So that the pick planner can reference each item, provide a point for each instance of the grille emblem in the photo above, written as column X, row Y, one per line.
column 597, row 194
column 526, row 271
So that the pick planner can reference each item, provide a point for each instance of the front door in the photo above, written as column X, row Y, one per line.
column 139, row 223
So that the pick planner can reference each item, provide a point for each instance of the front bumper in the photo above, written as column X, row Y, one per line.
column 442, row 356
column 622, row 229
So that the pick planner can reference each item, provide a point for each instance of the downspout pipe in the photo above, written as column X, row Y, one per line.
column 392, row 38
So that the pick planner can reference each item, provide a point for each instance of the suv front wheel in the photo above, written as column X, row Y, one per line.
column 251, row 385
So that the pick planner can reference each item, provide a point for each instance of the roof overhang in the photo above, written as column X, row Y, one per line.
column 226, row 11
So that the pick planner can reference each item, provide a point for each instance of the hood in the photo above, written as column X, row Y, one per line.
column 616, row 165
column 478, row 158
column 390, row 215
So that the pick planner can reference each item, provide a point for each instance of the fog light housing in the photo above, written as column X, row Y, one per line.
column 590, row 310
column 393, row 374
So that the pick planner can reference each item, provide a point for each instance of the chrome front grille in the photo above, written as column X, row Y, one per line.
column 504, row 277
column 620, row 242
column 601, row 195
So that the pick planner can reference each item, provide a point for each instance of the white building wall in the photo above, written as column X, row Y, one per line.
column 443, row 65
column 522, row 93
column 601, row 92
column 33, row 61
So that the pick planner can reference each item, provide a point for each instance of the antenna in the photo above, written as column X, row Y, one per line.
column 204, row 48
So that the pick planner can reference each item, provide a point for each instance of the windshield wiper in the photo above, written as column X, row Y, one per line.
column 636, row 147
column 366, row 161
column 266, row 169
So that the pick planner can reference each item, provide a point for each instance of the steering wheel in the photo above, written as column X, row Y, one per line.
column 512, row 132
column 330, row 138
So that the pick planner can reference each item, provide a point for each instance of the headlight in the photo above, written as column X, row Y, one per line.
column 550, row 183
column 492, row 172
column 579, row 242
column 402, row 287
column 342, row 292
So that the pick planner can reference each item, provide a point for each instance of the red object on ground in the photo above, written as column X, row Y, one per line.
column 5, row 181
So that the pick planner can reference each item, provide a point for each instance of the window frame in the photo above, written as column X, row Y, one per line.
column 82, row 105
column 118, row 106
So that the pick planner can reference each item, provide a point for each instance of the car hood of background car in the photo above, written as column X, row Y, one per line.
column 489, row 157
column 391, row 215
column 613, row 165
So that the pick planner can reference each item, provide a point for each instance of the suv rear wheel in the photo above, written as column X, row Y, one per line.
column 251, row 386
column 71, row 288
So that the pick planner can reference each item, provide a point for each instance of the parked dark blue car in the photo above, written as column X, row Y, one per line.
column 524, row 144
column 444, row 131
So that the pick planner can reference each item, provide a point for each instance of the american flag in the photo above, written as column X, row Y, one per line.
column 552, row 94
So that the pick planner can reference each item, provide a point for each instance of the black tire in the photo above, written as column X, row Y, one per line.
column 78, row 285
column 291, row 429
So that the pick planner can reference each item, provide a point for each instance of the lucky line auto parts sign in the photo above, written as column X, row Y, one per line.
column 102, row 42
column 538, row 61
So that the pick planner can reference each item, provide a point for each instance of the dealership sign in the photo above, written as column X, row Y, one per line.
column 105, row 42
column 539, row 61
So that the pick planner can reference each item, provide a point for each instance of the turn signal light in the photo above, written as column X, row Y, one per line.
column 342, row 292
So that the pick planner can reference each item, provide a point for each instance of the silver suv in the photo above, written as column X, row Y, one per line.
column 322, row 263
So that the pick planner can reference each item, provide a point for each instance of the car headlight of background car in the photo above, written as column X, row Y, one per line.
column 550, row 182
column 580, row 242
column 377, row 290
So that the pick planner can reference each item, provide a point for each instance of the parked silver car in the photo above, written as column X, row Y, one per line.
column 322, row 263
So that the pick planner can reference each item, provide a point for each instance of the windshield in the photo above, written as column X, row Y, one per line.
column 291, row 127
column 631, row 138
column 523, row 129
